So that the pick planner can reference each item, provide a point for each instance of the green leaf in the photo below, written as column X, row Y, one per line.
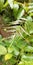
column 29, row 25
column 26, row 63
column 11, row 3
column 8, row 56
column 27, row 57
column 20, row 13
column 29, row 49
column 21, row 63
column 16, row 51
column 3, row 50
column 15, row 9
column 10, row 49
column 1, row 5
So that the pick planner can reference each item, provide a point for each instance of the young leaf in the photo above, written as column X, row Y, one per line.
column 8, row 56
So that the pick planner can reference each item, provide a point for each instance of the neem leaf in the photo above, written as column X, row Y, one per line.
column 3, row 50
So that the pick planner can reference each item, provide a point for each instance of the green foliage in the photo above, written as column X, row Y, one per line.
column 3, row 50
column 1, row 5
column 17, row 49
